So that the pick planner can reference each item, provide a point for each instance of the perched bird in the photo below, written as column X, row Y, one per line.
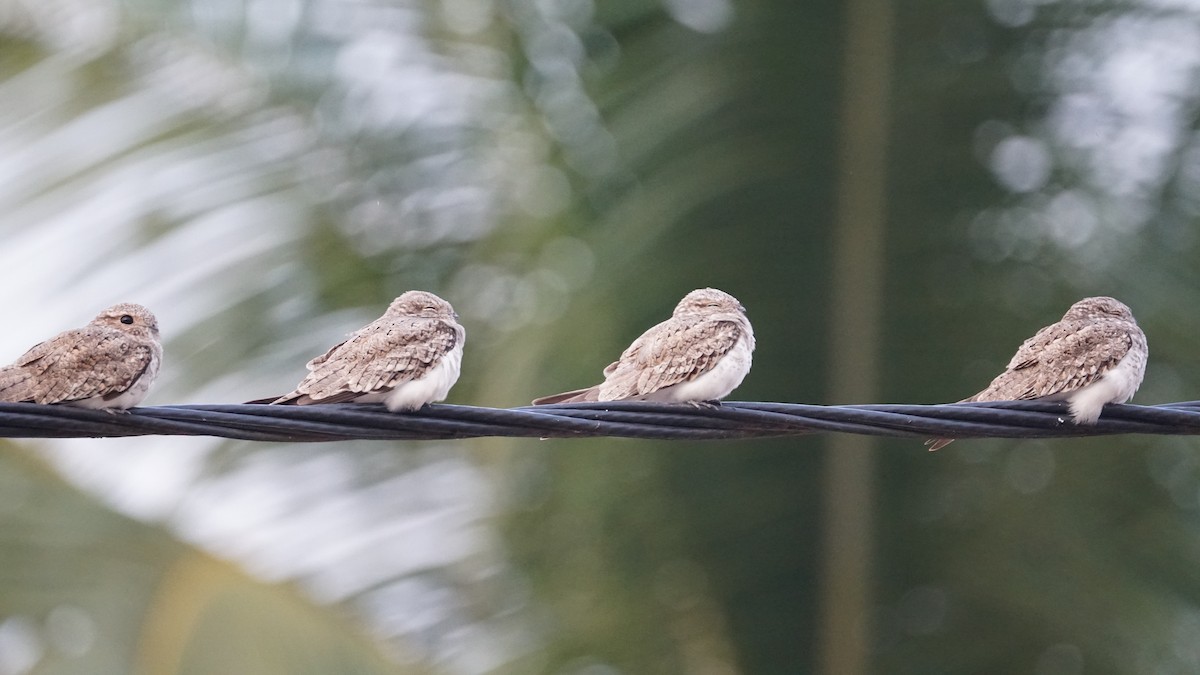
column 701, row 353
column 406, row 358
column 108, row 364
column 1095, row 355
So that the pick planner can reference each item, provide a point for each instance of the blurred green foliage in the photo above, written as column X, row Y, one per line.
column 271, row 174
column 84, row 590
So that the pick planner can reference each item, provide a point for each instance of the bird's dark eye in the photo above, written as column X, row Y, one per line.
column 126, row 319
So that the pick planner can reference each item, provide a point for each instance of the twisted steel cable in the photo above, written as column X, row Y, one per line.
column 626, row 419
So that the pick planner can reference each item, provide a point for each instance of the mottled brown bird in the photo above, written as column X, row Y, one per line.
column 1095, row 355
column 405, row 359
column 701, row 353
column 109, row 363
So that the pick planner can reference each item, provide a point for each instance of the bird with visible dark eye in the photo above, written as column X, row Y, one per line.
column 108, row 364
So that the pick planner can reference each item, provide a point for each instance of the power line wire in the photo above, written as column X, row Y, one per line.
column 625, row 419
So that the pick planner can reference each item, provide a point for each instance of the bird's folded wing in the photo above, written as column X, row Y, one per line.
column 377, row 361
column 1057, row 361
column 673, row 354
column 85, row 365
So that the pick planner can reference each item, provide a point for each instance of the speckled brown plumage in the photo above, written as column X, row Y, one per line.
column 701, row 353
column 408, row 357
column 1095, row 355
column 109, row 363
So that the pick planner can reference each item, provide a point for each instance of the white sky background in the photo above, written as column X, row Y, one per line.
column 1120, row 109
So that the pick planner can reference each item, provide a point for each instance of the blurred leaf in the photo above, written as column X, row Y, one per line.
column 83, row 590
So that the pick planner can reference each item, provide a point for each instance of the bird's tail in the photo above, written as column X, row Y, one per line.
column 577, row 396
column 271, row 400
column 939, row 443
